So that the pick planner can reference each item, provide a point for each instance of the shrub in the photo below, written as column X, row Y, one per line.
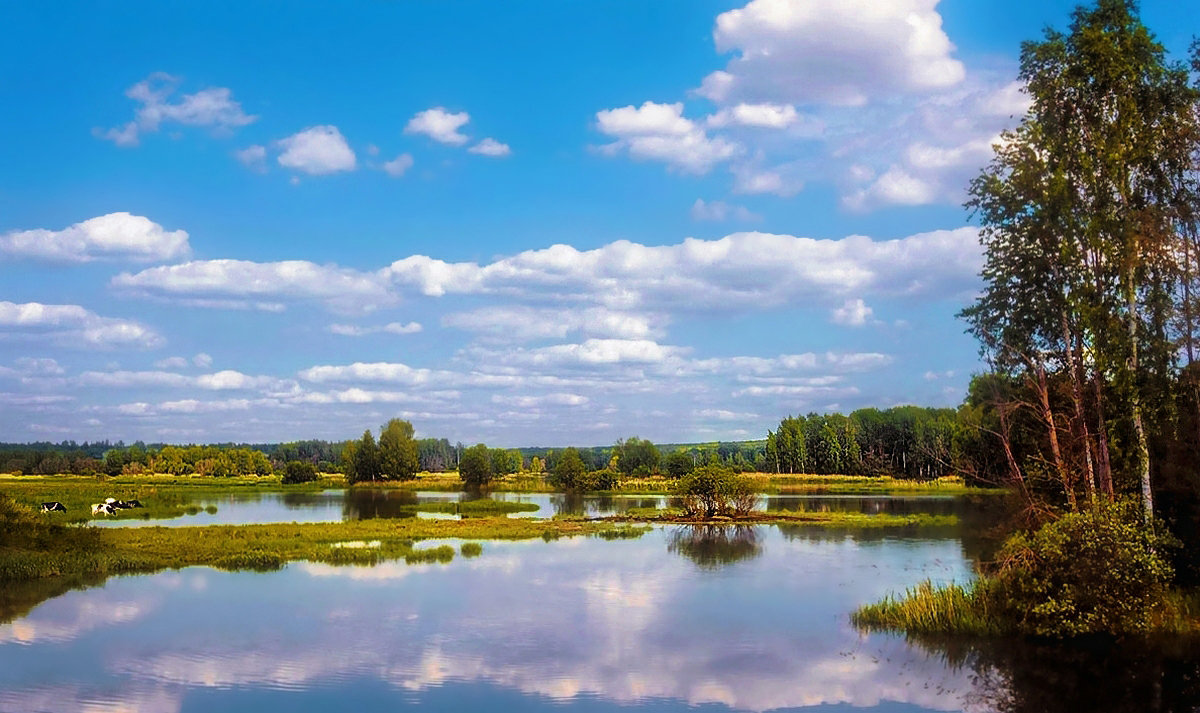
column 679, row 464
column 299, row 471
column 569, row 473
column 712, row 490
column 1097, row 571
column 475, row 467
column 471, row 549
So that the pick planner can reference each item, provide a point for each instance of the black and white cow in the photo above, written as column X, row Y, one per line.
column 53, row 507
column 103, row 509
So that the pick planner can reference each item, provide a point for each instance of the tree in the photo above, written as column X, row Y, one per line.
column 298, row 471
column 636, row 456
column 362, row 459
column 475, row 466
column 679, row 464
column 569, row 472
column 398, row 450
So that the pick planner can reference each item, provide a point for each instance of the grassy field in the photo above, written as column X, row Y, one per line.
column 853, row 520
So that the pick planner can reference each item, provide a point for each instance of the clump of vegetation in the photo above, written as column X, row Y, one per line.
column 475, row 466
column 471, row 549
column 1100, row 571
column 298, row 471
column 714, row 490
column 484, row 506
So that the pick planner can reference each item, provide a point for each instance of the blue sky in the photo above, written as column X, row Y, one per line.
column 524, row 223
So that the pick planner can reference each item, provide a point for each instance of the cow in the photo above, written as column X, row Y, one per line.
column 134, row 504
column 103, row 509
column 53, row 507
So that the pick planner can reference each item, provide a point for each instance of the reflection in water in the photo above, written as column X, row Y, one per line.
column 713, row 546
column 1025, row 676
column 575, row 624
column 364, row 504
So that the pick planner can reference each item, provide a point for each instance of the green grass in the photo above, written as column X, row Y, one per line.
column 471, row 549
column 163, row 496
column 473, row 508
column 852, row 520
column 926, row 609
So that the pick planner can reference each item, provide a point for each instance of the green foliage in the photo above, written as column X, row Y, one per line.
column 569, row 472
column 636, row 456
column 298, row 472
column 678, row 464
column 397, row 451
column 1100, row 571
column 1096, row 571
column 471, row 549
column 713, row 490
column 475, row 466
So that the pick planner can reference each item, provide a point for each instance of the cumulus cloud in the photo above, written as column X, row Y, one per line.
column 73, row 326
column 353, row 330
column 853, row 313
column 440, row 125
column 253, row 157
column 398, row 166
column 660, row 132
column 340, row 289
column 212, row 107
column 720, row 211
column 841, row 52
column 765, row 116
column 317, row 151
column 739, row 271
column 491, row 147
column 115, row 236
column 521, row 322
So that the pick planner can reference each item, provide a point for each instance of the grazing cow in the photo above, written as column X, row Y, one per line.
column 103, row 509
column 53, row 507
column 109, row 501
column 134, row 504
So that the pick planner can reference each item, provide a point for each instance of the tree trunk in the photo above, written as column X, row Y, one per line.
column 1070, row 349
column 1135, row 402
column 1043, row 390
column 1103, row 460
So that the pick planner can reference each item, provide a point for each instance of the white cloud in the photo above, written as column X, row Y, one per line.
column 896, row 187
column 748, row 270
column 202, row 360
column 253, row 157
column 352, row 330
column 842, row 52
column 340, row 289
column 73, row 326
column 399, row 165
column 765, row 116
column 520, row 323
column 175, row 362
column 213, row 107
column 720, row 211
column 853, row 313
column 440, row 125
column 317, row 151
column 491, row 147
column 660, row 132
column 115, row 236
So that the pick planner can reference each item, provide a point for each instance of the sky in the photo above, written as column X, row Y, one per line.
column 522, row 223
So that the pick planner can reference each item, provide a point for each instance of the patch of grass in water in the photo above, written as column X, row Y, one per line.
column 926, row 609
column 471, row 549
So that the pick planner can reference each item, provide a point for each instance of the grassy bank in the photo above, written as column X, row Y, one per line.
column 164, row 496
column 850, row 520
column 31, row 548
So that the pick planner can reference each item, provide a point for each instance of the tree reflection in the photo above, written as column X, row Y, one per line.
column 365, row 504
column 713, row 546
column 1098, row 674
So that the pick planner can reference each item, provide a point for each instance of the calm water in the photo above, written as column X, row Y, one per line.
column 709, row 619
column 360, row 503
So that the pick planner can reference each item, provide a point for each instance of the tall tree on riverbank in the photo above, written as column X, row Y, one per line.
column 1086, row 212
column 398, row 450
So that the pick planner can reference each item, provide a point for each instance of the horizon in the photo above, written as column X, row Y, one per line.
column 231, row 225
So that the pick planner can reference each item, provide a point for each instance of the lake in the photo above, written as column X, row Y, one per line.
column 710, row 619
column 360, row 503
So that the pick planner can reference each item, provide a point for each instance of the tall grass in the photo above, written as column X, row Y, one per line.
column 926, row 609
